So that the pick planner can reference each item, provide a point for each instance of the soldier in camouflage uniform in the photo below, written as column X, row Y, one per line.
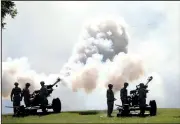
column 142, row 98
column 123, row 94
column 43, row 95
column 16, row 97
column 26, row 95
column 110, row 100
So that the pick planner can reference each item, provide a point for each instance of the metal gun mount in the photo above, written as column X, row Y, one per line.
column 35, row 102
column 133, row 102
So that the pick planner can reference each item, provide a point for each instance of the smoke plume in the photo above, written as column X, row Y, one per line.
column 102, row 45
column 19, row 70
column 99, row 58
column 124, row 68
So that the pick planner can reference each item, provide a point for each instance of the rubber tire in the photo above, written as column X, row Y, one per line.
column 21, row 111
column 56, row 105
column 153, row 108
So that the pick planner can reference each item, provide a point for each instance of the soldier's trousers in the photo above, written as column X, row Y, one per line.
column 16, row 103
column 142, row 105
column 27, row 102
column 110, row 106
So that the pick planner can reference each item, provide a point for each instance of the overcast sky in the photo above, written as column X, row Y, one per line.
column 46, row 32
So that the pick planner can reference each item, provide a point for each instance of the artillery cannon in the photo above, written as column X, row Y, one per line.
column 35, row 102
column 133, row 103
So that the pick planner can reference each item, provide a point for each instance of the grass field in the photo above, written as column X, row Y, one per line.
column 163, row 116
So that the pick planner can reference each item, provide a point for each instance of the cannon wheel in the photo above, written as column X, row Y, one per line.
column 153, row 109
column 56, row 105
column 118, row 114
column 20, row 111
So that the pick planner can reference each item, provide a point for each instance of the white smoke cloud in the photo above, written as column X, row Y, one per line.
column 19, row 70
column 100, row 45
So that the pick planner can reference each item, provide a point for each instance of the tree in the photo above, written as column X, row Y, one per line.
column 7, row 8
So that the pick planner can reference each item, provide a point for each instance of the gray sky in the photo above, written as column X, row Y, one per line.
column 46, row 32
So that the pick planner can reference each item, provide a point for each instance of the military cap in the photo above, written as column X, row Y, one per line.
column 16, row 84
column 42, row 82
column 126, row 84
column 28, row 84
column 141, row 85
column 110, row 85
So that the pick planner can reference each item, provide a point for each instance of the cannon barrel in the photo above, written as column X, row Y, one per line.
column 149, row 79
column 49, row 88
column 52, row 85
column 145, row 86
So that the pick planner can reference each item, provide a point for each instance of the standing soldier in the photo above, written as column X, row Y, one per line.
column 26, row 95
column 43, row 95
column 142, row 99
column 123, row 94
column 110, row 100
column 16, row 97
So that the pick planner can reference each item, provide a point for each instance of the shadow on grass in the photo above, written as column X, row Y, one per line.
column 176, row 116
column 35, row 114
column 40, row 114
column 84, row 112
column 135, row 115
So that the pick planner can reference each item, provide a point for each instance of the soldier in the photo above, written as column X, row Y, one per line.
column 142, row 99
column 123, row 94
column 110, row 100
column 16, row 97
column 43, row 95
column 26, row 95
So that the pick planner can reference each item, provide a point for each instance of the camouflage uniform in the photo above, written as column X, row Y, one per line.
column 16, row 97
column 26, row 95
column 123, row 94
column 142, row 98
column 110, row 100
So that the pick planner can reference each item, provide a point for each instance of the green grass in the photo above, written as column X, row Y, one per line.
column 163, row 116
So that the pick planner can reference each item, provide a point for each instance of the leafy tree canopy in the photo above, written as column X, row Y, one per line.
column 7, row 8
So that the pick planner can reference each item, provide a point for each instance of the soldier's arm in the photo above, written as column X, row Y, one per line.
column 12, row 92
column 46, row 91
column 146, row 90
column 121, row 93
column 22, row 93
column 107, row 94
column 112, row 96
